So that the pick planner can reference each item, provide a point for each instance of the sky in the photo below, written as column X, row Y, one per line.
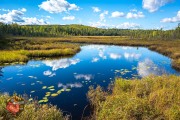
column 122, row 14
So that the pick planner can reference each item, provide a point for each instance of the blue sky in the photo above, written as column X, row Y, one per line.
column 132, row 14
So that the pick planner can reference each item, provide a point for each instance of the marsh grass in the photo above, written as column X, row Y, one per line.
column 21, row 50
column 31, row 111
column 151, row 98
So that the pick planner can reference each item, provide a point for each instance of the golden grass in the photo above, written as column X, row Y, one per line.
column 31, row 111
column 151, row 98
column 21, row 50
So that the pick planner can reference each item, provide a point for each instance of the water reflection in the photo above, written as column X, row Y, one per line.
column 131, row 55
column 95, row 59
column 62, row 63
column 148, row 67
column 84, row 76
column 49, row 73
column 114, row 56
column 71, row 85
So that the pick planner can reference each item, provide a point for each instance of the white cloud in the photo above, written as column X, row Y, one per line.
column 102, row 15
column 49, row 17
column 133, row 10
column 117, row 14
column 62, row 63
column 128, row 25
column 173, row 19
column 147, row 67
column 33, row 21
column 84, row 76
column 16, row 16
column 12, row 16
column 98, row 24
column 23, row 10
column 4, row 10
column 96, row 9
column 95, row 60
column 57, row 6
column 115, row 56
column 135, row 15
column 68, row 18
column 154, row 5
column 132, row 55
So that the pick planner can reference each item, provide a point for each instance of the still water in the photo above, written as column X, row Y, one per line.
column 93, row 65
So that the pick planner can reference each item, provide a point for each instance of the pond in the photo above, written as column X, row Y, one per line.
column 71, row 77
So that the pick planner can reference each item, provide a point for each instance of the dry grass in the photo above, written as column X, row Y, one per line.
column 31, row 111
column 152, row 98
column 21, row 50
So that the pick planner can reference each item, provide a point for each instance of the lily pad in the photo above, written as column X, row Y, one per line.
column 32, row 83
column 68, row 90
column 47, row 95
column 32, row 91
column 48, row 92
column 41, row 101
column 44, row 87
column 46, row 100
column 31, row 99
column 51, row 89
column 59, row 91
column 54, row 94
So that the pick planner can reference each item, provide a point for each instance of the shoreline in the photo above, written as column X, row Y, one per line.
column 169, row 48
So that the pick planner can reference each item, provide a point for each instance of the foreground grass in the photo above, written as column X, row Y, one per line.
column 31, row 112
column 152, row 98
column 170, row 48
column 22, row 50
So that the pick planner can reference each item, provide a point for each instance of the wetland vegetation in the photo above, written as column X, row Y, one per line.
column 153, row 97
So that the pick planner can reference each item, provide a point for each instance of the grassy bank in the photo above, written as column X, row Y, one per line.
column 152, row 98
column 31, row 111
column 170, row 48
column 18, row 50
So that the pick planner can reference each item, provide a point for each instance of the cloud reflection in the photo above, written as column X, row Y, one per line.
column 147, row 67
column 62, row 63
column 49, row 73
column 71, row 85
column 114, row 56
column 95, row 60
column 84, row 76
column 132, row 55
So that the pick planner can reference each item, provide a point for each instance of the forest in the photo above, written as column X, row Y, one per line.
column 81, row 30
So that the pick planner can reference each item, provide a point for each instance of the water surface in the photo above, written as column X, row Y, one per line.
column 94, row 65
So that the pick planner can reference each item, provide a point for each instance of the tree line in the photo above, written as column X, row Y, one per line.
column 81, row 30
